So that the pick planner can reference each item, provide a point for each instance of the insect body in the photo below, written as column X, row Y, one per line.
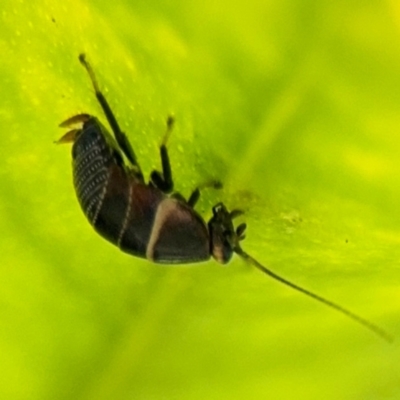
column 140, row 219
column 148, row 220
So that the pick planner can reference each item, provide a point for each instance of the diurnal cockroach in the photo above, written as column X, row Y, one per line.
column 148, row 220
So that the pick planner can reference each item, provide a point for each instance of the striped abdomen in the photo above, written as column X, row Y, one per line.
column 92, row 157
column 138, row 218
column 104, row 187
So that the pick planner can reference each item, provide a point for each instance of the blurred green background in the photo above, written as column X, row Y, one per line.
column 295, row 106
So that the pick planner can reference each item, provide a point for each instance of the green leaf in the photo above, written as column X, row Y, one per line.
column 294, row 106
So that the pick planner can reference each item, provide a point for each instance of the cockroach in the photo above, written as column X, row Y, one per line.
column 148, row 219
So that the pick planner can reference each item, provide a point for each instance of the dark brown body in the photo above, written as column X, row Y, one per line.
column 138, row 218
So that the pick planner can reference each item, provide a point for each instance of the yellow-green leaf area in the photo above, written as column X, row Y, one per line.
column 294, row 106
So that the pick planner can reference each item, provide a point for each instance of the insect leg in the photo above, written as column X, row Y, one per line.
column 120, row 136
column 163, row 180
column 194, row 197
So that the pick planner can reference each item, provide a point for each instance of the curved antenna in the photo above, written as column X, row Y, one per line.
column 369, row 325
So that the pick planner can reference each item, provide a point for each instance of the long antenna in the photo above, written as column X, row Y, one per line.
column 369, row 325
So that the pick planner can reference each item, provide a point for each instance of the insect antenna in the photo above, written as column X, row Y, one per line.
column 367, row 324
